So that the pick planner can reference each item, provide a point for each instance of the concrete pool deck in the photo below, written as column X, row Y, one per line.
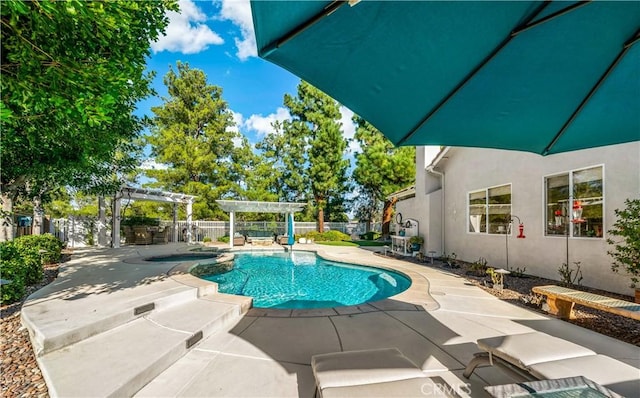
column 112, row 324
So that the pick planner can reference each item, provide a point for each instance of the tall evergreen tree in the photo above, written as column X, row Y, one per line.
column 381, row 169
column 191, row 133
column 314, row 135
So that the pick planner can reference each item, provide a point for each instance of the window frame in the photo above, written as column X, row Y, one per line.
column 487, row 206
column 571, row 198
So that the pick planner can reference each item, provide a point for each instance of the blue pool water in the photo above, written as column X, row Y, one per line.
column 303, row 280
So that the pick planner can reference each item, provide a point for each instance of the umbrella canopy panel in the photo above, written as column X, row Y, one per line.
column 542, row 77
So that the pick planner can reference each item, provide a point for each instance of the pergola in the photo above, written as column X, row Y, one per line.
column 155, row 196
column 243, row 206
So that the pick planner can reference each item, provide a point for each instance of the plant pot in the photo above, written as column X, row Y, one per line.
column 415, row 247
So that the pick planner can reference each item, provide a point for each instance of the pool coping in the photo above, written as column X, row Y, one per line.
column 416, row 297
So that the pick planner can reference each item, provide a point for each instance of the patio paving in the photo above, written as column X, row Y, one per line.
column 90, row 342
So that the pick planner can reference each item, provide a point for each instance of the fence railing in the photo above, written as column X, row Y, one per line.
column 83, row 231
column 218, row 229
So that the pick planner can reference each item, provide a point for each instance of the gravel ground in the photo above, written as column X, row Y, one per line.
column 518, row 291
column 20, row 375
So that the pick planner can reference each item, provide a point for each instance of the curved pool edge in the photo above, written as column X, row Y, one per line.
column 181, row 273
column 418, row 294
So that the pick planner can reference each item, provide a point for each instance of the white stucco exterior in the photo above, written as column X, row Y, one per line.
column 470, row 169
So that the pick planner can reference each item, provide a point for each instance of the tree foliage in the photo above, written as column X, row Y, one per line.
column 381, row 169
column 192, row 134
column 72, row 72
column 308, row 153
column 626, row 251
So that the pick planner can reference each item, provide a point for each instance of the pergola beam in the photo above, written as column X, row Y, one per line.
column 244, row 206
column 133, row 193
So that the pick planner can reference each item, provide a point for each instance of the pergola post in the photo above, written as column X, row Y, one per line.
column 231, row 232
column 293, row 224
column 175, row 223
column 189, row 222
column 115, row 229
column 102, row 222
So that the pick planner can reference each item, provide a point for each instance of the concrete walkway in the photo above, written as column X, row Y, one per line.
column 113, row 324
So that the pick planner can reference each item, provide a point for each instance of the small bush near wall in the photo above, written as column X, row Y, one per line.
column 21, row 263
column 371, row 235
column 30, row 260
column 626, row 247
column 224, row 239
column 13, row 272
column 49, row 244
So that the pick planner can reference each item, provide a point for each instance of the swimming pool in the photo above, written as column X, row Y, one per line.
column 304, row 280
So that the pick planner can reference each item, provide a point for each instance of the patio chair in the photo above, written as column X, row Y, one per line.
column 382, row 372
column 541, row 356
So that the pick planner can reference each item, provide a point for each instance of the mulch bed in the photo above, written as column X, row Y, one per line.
column 20, row 375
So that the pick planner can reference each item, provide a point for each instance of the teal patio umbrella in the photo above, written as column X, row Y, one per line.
column 291, row 237
column 542, row 77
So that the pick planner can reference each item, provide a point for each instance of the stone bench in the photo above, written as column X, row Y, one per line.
column 561, row 301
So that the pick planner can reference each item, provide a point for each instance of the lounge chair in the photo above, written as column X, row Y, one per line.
column 546, row 357
column 382, row 372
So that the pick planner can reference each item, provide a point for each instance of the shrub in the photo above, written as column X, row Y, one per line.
column 570, row 277
column 206, row 239
column 371, row 235
column 30, row 260
column 626, row 253
column 51, row 246
column 335, row 236
column 313, row 235
column 480, row 267
column 224, row 239
column 12, row 269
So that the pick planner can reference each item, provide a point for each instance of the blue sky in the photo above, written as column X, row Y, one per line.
column 217, row 37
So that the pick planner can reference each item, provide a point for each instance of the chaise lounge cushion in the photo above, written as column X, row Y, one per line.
column 353, row 368
column 606, row 371
column 524, row 350
column 416, row 387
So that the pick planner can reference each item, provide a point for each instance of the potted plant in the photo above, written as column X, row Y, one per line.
column 416, row 241
column 626, row 253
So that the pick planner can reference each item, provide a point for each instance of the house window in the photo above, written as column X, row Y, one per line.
column 574, row 203
column 490, row 210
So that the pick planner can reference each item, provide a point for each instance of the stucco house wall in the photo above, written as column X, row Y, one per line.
column 470, row 169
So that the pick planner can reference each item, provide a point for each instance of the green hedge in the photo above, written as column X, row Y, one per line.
column 333, row 236
column 371, row 235
column 21, row 263
column 224, row 239
column 12, row 269
column 51, row 246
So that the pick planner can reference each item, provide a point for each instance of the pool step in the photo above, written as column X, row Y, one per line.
column 74, row 325
column 137, row 351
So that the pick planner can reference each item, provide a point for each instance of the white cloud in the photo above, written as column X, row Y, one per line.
column 239, row 12
column 238, row 120
column 349, row 128
column 262, row 124
column 187, row 33
column 151, row 164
